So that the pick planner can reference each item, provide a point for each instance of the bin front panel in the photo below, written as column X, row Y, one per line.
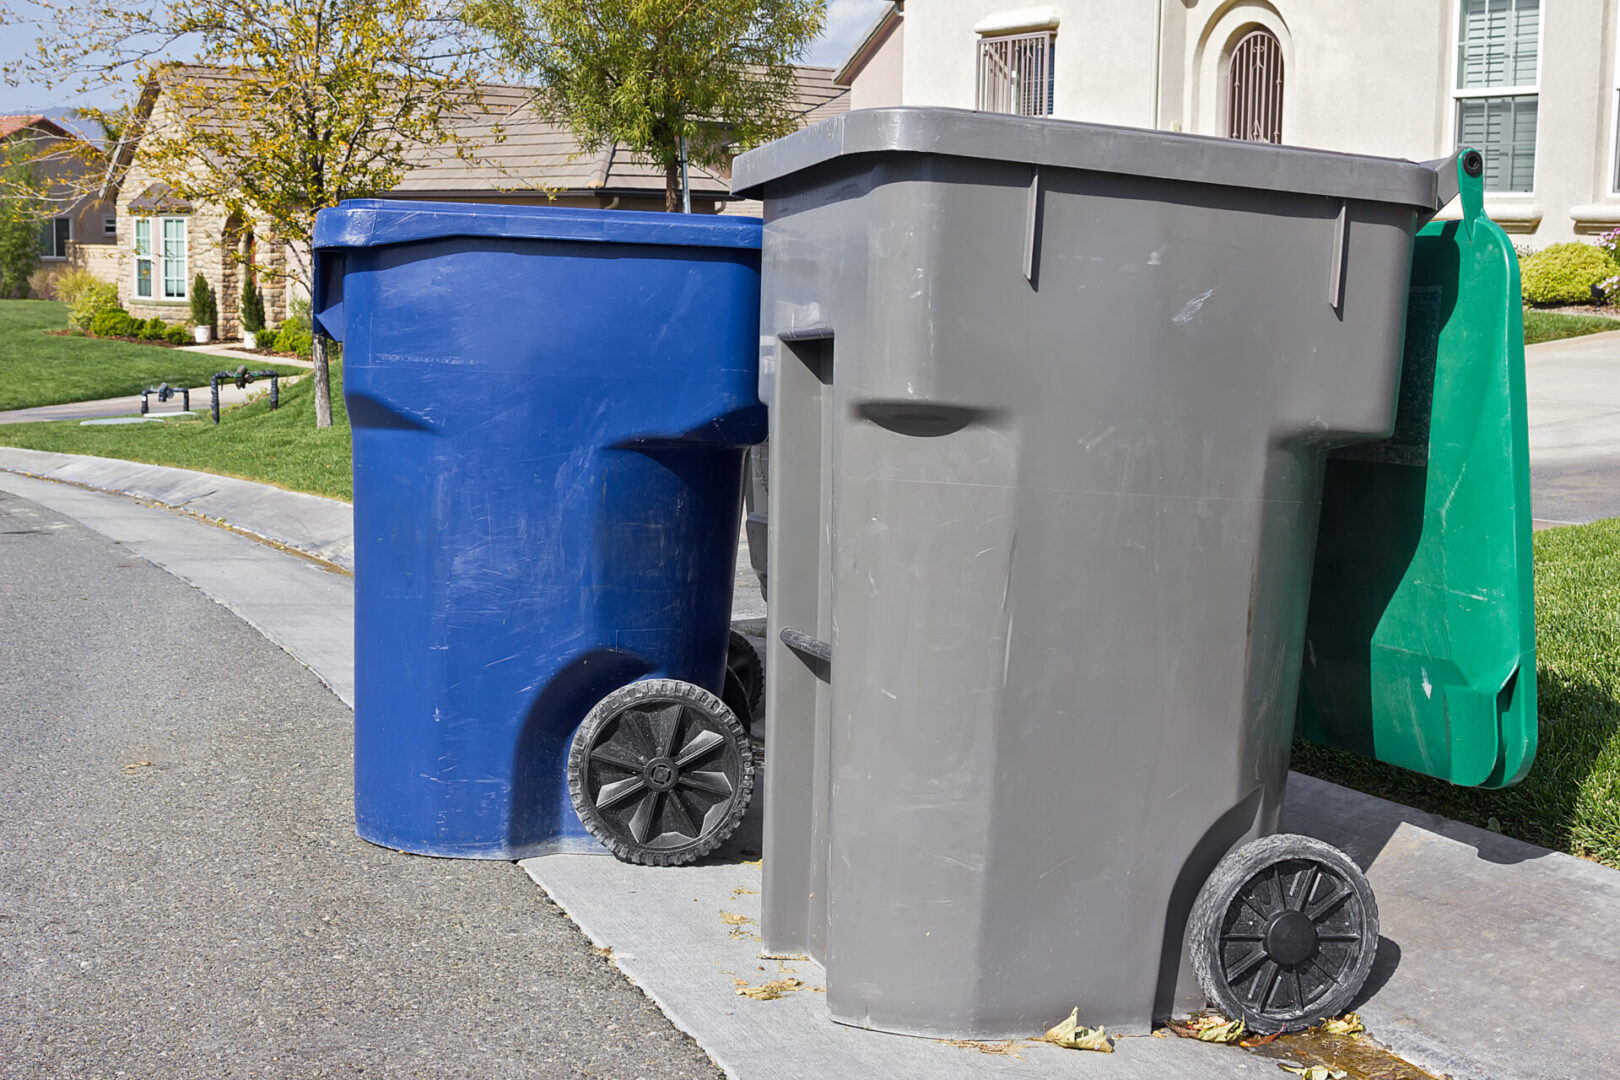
column 1067, row 492
column 1421, row 637
column 548, row 441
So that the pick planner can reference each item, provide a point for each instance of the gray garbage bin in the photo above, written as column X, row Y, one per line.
column 1049, row 404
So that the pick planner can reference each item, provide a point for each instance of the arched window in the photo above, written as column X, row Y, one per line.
column 1254, row 88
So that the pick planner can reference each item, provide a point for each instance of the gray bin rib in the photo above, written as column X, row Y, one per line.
column 1049, row 403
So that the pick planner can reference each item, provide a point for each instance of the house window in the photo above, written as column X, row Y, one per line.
column 1254, row 88
column 1498, row 83
column 1015, row 73
column 160, row 258
column 109, row 226
column 54, row 234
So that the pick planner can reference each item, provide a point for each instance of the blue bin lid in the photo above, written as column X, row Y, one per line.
column 361, row 223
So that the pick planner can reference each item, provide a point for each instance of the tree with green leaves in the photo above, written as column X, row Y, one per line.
column 22, row 212
column 287, row 106
column 657, row 76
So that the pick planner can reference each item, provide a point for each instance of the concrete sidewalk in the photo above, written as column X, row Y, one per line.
column 1493, row 964
column 1572, row 389
column 129, row 405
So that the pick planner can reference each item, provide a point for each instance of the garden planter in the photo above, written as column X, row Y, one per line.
column 203, row 334
column 250, row 340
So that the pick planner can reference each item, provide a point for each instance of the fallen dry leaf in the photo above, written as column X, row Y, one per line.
column 1071, row 1036
column 1313, row 1072
column 1215, row 1028
column 132, row 766
column 740, row 891
column 770, row 991
column 1009, row 1048
column 1259, row 1040
column 731, row 918
column 1349, row 1024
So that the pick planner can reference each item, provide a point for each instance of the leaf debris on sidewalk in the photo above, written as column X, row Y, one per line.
column 770, row 991
column 1313, row 1072
column 1215, row 1028
column 1348, row 1025
column 132, row 766
column 1005, row 1048
column 1072, row 1036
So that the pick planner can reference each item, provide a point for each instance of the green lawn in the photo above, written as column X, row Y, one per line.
column 37, row 368
column 1553, row 325
column 282, row 447
column 1571, row 799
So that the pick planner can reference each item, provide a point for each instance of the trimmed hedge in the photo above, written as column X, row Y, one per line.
column 1564, row 274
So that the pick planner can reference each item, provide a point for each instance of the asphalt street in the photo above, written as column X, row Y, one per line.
column 181, row 891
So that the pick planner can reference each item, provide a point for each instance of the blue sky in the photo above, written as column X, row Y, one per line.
column 847, row 20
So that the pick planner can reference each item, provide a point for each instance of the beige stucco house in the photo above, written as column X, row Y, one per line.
column 511, row 155
column 1533, row 83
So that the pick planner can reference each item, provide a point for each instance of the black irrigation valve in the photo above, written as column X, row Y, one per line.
column 241, row 377
column 165, row 392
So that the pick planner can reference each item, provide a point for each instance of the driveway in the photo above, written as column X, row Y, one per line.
column 1573, row 392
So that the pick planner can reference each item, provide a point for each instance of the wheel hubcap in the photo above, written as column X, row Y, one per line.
column 1290, row 935
column 658, row 771
column 1290, row 938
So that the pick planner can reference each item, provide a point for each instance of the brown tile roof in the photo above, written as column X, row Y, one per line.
column 519, row 150
column 10, row 125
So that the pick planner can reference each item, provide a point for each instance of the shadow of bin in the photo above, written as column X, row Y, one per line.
column 550, row 409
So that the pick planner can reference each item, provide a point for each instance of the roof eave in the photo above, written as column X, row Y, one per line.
column 887, row 20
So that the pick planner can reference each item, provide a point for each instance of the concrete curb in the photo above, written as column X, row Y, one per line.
column 316, row 527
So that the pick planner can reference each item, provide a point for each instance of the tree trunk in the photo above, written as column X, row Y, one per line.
column 323, row 381
column 672, row 186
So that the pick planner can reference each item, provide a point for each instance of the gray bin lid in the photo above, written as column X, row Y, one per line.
column 1069, row 144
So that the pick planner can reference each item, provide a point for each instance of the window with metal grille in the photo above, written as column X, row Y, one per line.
column 1015, row 74
column 1254, row 88
column 1498, row 79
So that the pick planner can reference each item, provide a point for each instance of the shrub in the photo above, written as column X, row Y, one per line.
column 294, row 339
column 267, row 340
column 115, row 322
column 42, row 282
column 91, row 301
column 252, row 306
column 176, row 335
column 204, row 309
column 154, row 329
column 70, row 284
column 1564, row 274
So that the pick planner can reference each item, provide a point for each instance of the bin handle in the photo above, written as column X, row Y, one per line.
column 806, row 645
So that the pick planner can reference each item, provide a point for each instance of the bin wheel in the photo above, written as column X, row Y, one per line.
column 742, row 660
column 1283, row 933
column 661, row 772
column 736, row 699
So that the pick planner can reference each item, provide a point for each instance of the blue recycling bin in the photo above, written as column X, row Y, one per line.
column 550, row 408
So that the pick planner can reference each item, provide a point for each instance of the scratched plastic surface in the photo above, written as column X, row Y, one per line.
column 550, row 409
column 1050, row 404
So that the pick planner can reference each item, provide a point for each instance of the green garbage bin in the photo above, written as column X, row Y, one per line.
column 1420, row 641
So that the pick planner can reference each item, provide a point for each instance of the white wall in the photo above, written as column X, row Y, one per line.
column 880, row 81
column 1362, row 76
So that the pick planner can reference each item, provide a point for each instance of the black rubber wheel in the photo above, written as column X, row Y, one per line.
column 742, row 660
column 1283, row 933
column 736, row 699
column 661, row 772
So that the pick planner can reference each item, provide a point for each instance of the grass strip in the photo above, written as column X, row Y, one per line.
column 39, row 368
column 1542, row 326
column 281, row 447
column 1571, row 799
